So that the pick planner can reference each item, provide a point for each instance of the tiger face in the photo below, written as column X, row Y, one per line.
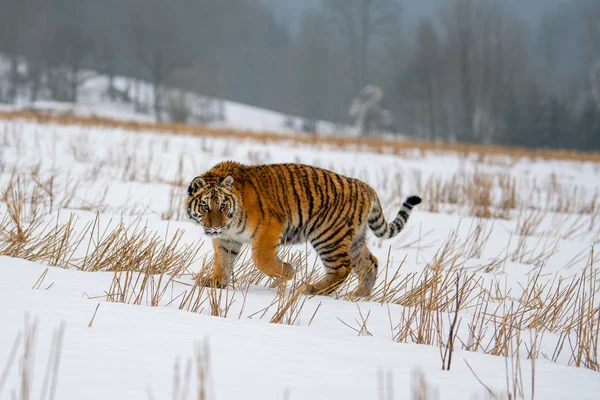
column 212, row 203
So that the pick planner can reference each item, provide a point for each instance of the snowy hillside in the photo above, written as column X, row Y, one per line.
column 94, row 100
column 495, row 277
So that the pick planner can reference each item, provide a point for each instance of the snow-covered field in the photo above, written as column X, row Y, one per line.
column 498, row 261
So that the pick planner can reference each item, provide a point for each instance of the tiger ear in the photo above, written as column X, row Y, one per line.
column 227, row 182
column 196, row 184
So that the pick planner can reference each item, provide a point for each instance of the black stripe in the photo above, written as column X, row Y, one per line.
column 322, row 239
column 304, row 182
column 403, row 214
column 336, row 267
column 309, row 191
column 322, row 184
column 273, row 184
column 326, row 189
column 373, row 220
column 325, row 237
column 243, row 228
column 360, row 203
column 392, row 231
column 318, row 221
column 379, row 226
column 254, row 233
column 297, row 194
column 331, row 210
column 317, row 184
column 331, row 259
column 330, row 248
column 352, row 199
column 196, row 204
column 326, row 245
column 338, row 193
column 230, row 250
column 260, row 205
column 342, row 181
column 283, row 182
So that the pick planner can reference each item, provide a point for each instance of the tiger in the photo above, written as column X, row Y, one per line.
column 271, row 205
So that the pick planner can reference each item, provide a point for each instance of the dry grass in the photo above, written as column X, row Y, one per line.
column 182, row 380
column 378, row 145
column 495, row 195
column 27, row 363
column 515, row 389
column 25, row 232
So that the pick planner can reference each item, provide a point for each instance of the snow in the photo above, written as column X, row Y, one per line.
column 93, row 101
column 130, row 350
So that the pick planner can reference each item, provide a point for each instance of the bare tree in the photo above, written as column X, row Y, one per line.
column 24, row 38
column 70, row 49
column 591, row 48
column 359, row 22
column 11, row 42
column 424, row 81
column 486, row 55
column 39, row 35
column 312, row 80
column 155, row 42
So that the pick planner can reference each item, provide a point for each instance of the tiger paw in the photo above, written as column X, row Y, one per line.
column 311, row 290
column 317, row 290
column 211, row 282
column 284, row 271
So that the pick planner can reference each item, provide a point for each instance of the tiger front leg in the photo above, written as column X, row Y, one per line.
column 264, row 252
column 225, row 254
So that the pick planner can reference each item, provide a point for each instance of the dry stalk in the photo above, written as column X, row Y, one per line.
column 182, row 380
column 27, row 362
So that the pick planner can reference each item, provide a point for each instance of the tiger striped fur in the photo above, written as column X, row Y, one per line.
column 271, row 205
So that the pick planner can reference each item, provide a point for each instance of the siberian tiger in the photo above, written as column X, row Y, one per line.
column 271, row 205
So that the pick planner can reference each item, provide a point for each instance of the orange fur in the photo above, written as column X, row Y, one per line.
column 270, row 205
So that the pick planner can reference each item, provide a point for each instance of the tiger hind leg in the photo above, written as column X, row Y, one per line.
column 335, row 256
column 364, row 266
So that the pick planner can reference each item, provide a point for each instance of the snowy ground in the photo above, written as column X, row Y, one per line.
column 527, row 277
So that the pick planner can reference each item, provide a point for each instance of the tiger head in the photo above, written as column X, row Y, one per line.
column 212, row 203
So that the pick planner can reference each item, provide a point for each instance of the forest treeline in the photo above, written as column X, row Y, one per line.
column 473, row 71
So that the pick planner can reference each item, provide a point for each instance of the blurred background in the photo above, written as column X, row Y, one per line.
column 517, row 73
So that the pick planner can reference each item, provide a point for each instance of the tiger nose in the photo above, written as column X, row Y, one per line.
column 218, row 227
